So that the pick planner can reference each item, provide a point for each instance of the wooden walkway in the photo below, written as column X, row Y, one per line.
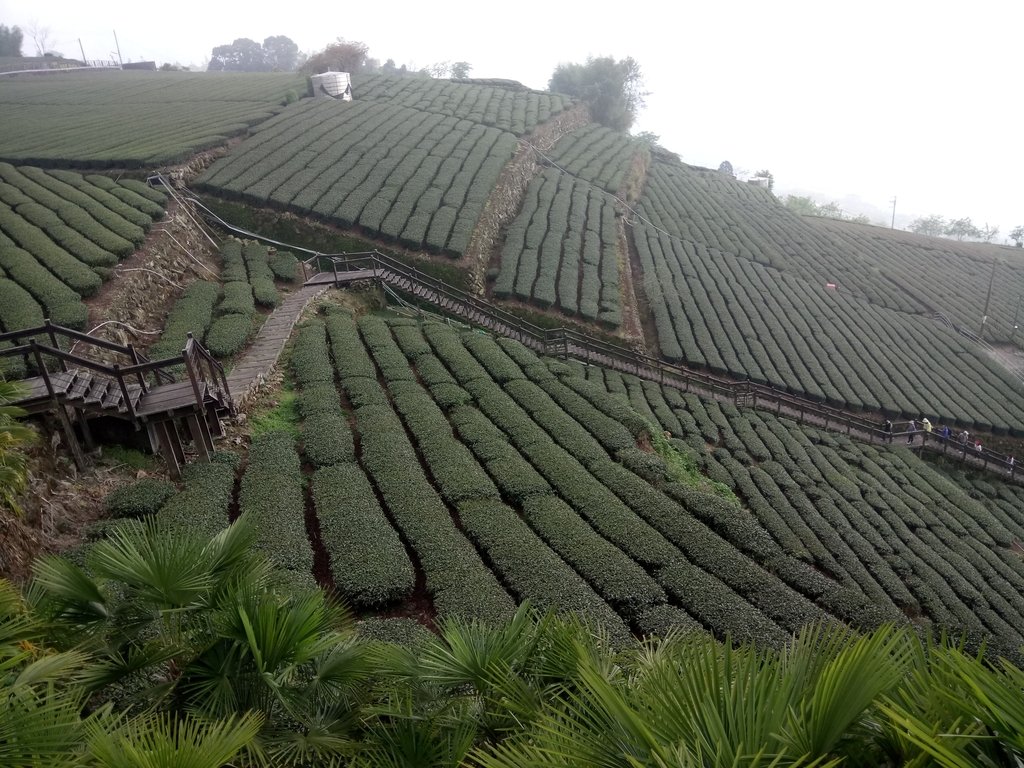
column 252, row 368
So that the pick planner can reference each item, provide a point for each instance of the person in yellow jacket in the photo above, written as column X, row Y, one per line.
column 927, row 425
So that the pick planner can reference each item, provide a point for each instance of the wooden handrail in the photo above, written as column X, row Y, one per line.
column 197, row 361
column 50, row 329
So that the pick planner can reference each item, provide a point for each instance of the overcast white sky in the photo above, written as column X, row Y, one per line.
column 873, row 99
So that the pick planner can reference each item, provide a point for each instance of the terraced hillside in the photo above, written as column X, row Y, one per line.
column 732, row 280
column 455, row 474
column 412, row 160
column 564, row 247
column 133, row 119
column 441, row 473
column 61, row 233
column 392, row 171
column 739, row 284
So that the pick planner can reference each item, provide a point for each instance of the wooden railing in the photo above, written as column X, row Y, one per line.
column 203, row 368
column 198, row 363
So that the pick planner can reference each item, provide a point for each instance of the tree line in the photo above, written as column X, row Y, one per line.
column 612, row 89
column 962, row 229
column 805, row 206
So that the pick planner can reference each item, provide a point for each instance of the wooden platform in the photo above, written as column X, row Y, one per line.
column 168, row 398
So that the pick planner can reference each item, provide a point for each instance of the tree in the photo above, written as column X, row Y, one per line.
column 726, row 167
column 988, row 232
column 830, row 210
column 280, row 54
column 1017, row 235
column 437, row 70
column 40, row 38
column 767, row 175
column 243, row 55
column 341, row 56
column 460, row 70
column 10, row 40
column 801, row 205
column 612, row 90
column 934, row 225
column 277, row 54
column 961, row 228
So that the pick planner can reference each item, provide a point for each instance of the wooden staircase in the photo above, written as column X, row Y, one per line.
column 187, row 394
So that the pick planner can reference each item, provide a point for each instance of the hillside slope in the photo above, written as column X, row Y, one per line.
column 453, row 474
column 577, row 220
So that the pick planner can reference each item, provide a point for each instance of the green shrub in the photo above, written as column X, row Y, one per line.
column 271, row 495
column 143, row 497
column 327, row 438
column 238, row 300
column 369, row 563
column 228, row 334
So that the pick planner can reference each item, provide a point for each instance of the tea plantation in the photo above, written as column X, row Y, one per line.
column 435, row 471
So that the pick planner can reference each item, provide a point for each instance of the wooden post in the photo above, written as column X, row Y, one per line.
column 200, row 435
column 83, row 423
column 169, row 448
column 136, row 361
column 62, row 414
column 125, row 396
column 188, row 367
column 69, row 433
column 53, row 343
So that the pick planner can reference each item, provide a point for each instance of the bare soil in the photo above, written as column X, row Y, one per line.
column 130, row 307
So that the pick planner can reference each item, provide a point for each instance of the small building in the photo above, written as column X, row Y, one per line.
column 334, row 85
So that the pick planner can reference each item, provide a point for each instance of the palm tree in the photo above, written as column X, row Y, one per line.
column 180, row 624
column 693, row 701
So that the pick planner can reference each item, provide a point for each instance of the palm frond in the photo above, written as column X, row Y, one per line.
column 40, row 725
column 855, row 673
column 69, row 595
column 161, row 567
column 162, row 741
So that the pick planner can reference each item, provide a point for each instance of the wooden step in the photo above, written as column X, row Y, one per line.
column 113, row 399
column 80, row 387
column 97, row 391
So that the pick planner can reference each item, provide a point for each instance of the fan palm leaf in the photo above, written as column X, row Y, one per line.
column 163, row 741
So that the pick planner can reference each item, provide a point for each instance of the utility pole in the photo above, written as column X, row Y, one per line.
column 893, row 201
column 988, row 296
column 118, row 45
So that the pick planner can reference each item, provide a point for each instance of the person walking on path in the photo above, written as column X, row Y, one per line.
column 911, row 432
column 927, row 425
column 1010, row 465
column 887, row 431
column 945, row 432
column 977, row 446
